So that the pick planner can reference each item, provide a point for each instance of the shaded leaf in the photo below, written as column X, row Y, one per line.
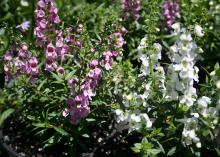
column 5, row 115
column 171, row 151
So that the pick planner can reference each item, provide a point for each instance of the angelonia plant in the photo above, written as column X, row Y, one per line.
column 141, row 64
column 57, row 53
column 171, row 84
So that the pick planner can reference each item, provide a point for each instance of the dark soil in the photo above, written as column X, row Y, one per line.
column 104, row 143
column 20, row 140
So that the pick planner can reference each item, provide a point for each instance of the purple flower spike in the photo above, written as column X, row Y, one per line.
column 131, row 8
column 170, row 11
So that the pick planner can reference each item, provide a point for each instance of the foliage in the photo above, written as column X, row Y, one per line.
column 69, row 65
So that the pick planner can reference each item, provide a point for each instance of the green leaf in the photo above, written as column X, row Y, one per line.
column 136, row 150
column 60, row 131
column 41, row 84
column 5, row 115
column 85, row 135
column 154, row 151
column 70, row 74
column 56, row 77
column 138, row 145
column 171, row 151
column 161, row 147
column 218, row 151
column 39, row 125
column 90, row 119
column 216, row 66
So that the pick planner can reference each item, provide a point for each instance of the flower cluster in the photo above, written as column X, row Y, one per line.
column 131, row 8
column 175, row 84
column 170, row 11
column 23, row 63
column 189, row 132
column 47, row 19
column 133, row 117
column 182, row 72
column 47, row 16
column 78, row 107
column 78, row 104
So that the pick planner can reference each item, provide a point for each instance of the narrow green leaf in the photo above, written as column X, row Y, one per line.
column 41, row 84
column 39, row 125
column 85, row 135
column 56, row 77
column 161, row 147
column 155, row 151
column 70, row 74
column 60, row 131
column 136, row 150
column 5, row 115
column 90, row 119
column 171, row 151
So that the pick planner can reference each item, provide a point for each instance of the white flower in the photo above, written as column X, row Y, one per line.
column 147, row 120
column 198, row 31
column 196, row 115
column 135, row 118
column 218, row 84
column 176, row 27
column 198, row 145
column 185, row 37
column 143, row 44
column 158, row 48
column 24, row 3
column 118, row 112
column 204, row 101
column 129, row 97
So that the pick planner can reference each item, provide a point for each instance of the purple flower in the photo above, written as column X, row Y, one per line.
column 50, row 52
column 72, row 86
column 33, row 66
column 119, row 39
column 77, row 109
column 131, row 8
column 8, row 56
column 41, row 4
column 80, row 28
column 170, row 11
column 23, row 52
column 60, row 70
column 95, row 73
column 49, row 65
column 24, row 26
column 40, row 14
column 94, row 63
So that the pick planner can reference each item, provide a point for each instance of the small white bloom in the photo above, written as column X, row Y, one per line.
column 176, row 27
column 158, row 47
column 135, row 118
column 204, row 101
column 118, row 112
column 129, row 97
column 218, row 84
column 24, row 3
column 198, row 145
column 196, row 115
column 147, row 120
column 143, row 43
column 198, row 31
column 186, row 37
